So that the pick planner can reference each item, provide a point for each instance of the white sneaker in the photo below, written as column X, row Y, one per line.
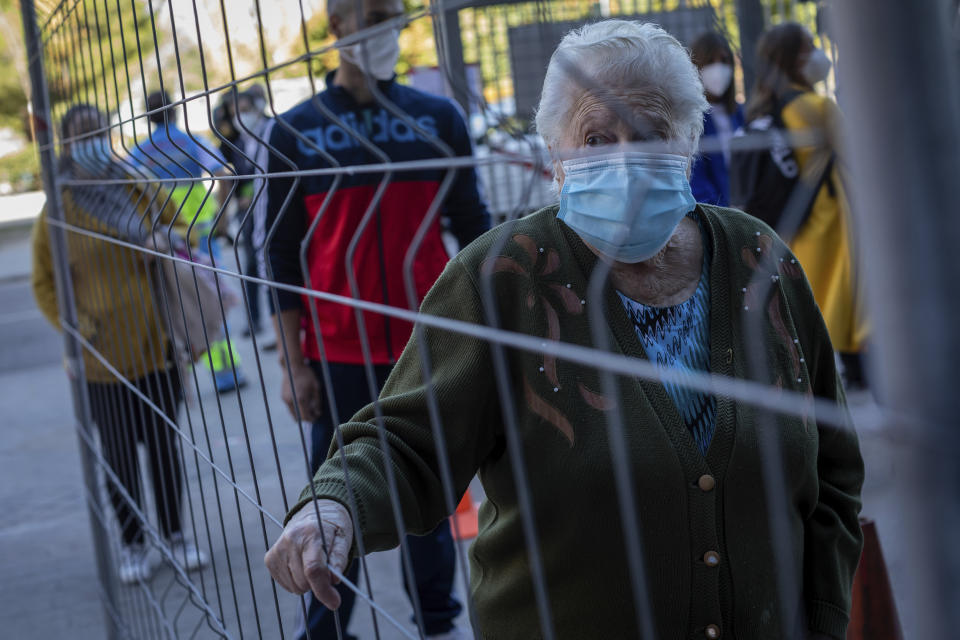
column 136, row 564
column 454, row 634
column 186, row 553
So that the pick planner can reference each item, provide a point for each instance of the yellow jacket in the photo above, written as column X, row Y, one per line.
column 824, row 243
column 116, row 312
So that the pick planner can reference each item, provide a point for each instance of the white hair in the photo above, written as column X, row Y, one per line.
column 618, row 55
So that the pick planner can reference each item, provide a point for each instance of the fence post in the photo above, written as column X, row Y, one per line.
column 750, row 19
column 42, row 128
column 454, row 60
column 900, row 79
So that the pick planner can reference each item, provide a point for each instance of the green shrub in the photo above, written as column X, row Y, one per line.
column 21, row 169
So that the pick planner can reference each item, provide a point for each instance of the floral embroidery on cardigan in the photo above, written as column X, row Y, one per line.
column 761, row 259
column 552, row 296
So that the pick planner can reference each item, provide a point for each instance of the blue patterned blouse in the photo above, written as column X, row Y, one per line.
column 679, row 337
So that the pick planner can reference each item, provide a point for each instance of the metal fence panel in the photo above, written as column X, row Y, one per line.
column 163, row 246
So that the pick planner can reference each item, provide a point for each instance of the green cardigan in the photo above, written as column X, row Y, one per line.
column 540, row 274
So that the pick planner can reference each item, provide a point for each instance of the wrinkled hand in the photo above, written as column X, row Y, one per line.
column 304, row 383
column 297, row 560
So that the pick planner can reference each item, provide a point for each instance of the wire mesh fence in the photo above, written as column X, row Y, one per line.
column 642, row 392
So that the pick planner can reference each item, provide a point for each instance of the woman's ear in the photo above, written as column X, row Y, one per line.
column 557, row 168
column 692, row 156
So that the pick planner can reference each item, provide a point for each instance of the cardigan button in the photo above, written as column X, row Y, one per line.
column 711, row 559
column 706, row 482
column 712, row 631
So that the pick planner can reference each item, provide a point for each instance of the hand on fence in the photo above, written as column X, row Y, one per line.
column 297, row 560
column 302, row 381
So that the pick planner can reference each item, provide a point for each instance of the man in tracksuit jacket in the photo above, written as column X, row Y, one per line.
column 305, row 139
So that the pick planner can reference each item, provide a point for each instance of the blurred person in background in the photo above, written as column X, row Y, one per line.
column 378, row 264
column 240, row 118
column 224, row 117
column 169, row 152
column 119, row 319
column 788, row 67
column 710, row 180
column 621, row 112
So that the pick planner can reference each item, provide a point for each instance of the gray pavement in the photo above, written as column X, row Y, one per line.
column 50, row 587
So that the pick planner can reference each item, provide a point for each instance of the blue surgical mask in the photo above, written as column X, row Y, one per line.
column 93, row 154
column 626, row 205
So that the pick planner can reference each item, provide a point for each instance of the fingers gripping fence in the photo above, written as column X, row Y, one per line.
column 659, row 457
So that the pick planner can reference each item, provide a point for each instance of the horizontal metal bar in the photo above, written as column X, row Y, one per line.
column 748, row 392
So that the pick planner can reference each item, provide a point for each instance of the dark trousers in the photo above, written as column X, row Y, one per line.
column 250, row 269
column 433, row 555
column 854, row 369
column 124, row 420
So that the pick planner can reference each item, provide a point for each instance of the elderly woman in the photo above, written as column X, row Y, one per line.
column 680, row 292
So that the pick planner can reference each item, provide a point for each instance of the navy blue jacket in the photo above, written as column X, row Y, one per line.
column 710, row 179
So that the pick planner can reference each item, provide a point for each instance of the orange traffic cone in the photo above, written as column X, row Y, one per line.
column 464, row 521
column 873, row 615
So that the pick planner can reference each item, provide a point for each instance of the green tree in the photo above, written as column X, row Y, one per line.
column 19, row 169
column 14, row 80
column 87, row 48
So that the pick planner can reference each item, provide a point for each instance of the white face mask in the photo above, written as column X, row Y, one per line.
column 716, row 78
column 817, row 67
column 377, row 57
column 249, row 119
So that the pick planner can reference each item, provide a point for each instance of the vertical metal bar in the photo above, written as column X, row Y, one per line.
column 40, row 100
column 147, row 223
column 125, row 407
column 452, row 59
column 169, row 320
column 904, row 178
column 60, row 55
column 245, row 218
column 750, row 19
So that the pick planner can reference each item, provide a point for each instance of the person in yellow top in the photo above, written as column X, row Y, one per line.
column 127, row 355
column 789, row 65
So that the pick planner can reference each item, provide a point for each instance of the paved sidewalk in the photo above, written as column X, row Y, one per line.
column 49, row 586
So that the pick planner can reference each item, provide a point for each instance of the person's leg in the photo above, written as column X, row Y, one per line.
column 351, row 393
column 250, row 269
column 223, row 360
column 320, row 623
column 227, row 374
column 853, row 370
column 434, row 565
column 110, row 410
column 160, row 441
